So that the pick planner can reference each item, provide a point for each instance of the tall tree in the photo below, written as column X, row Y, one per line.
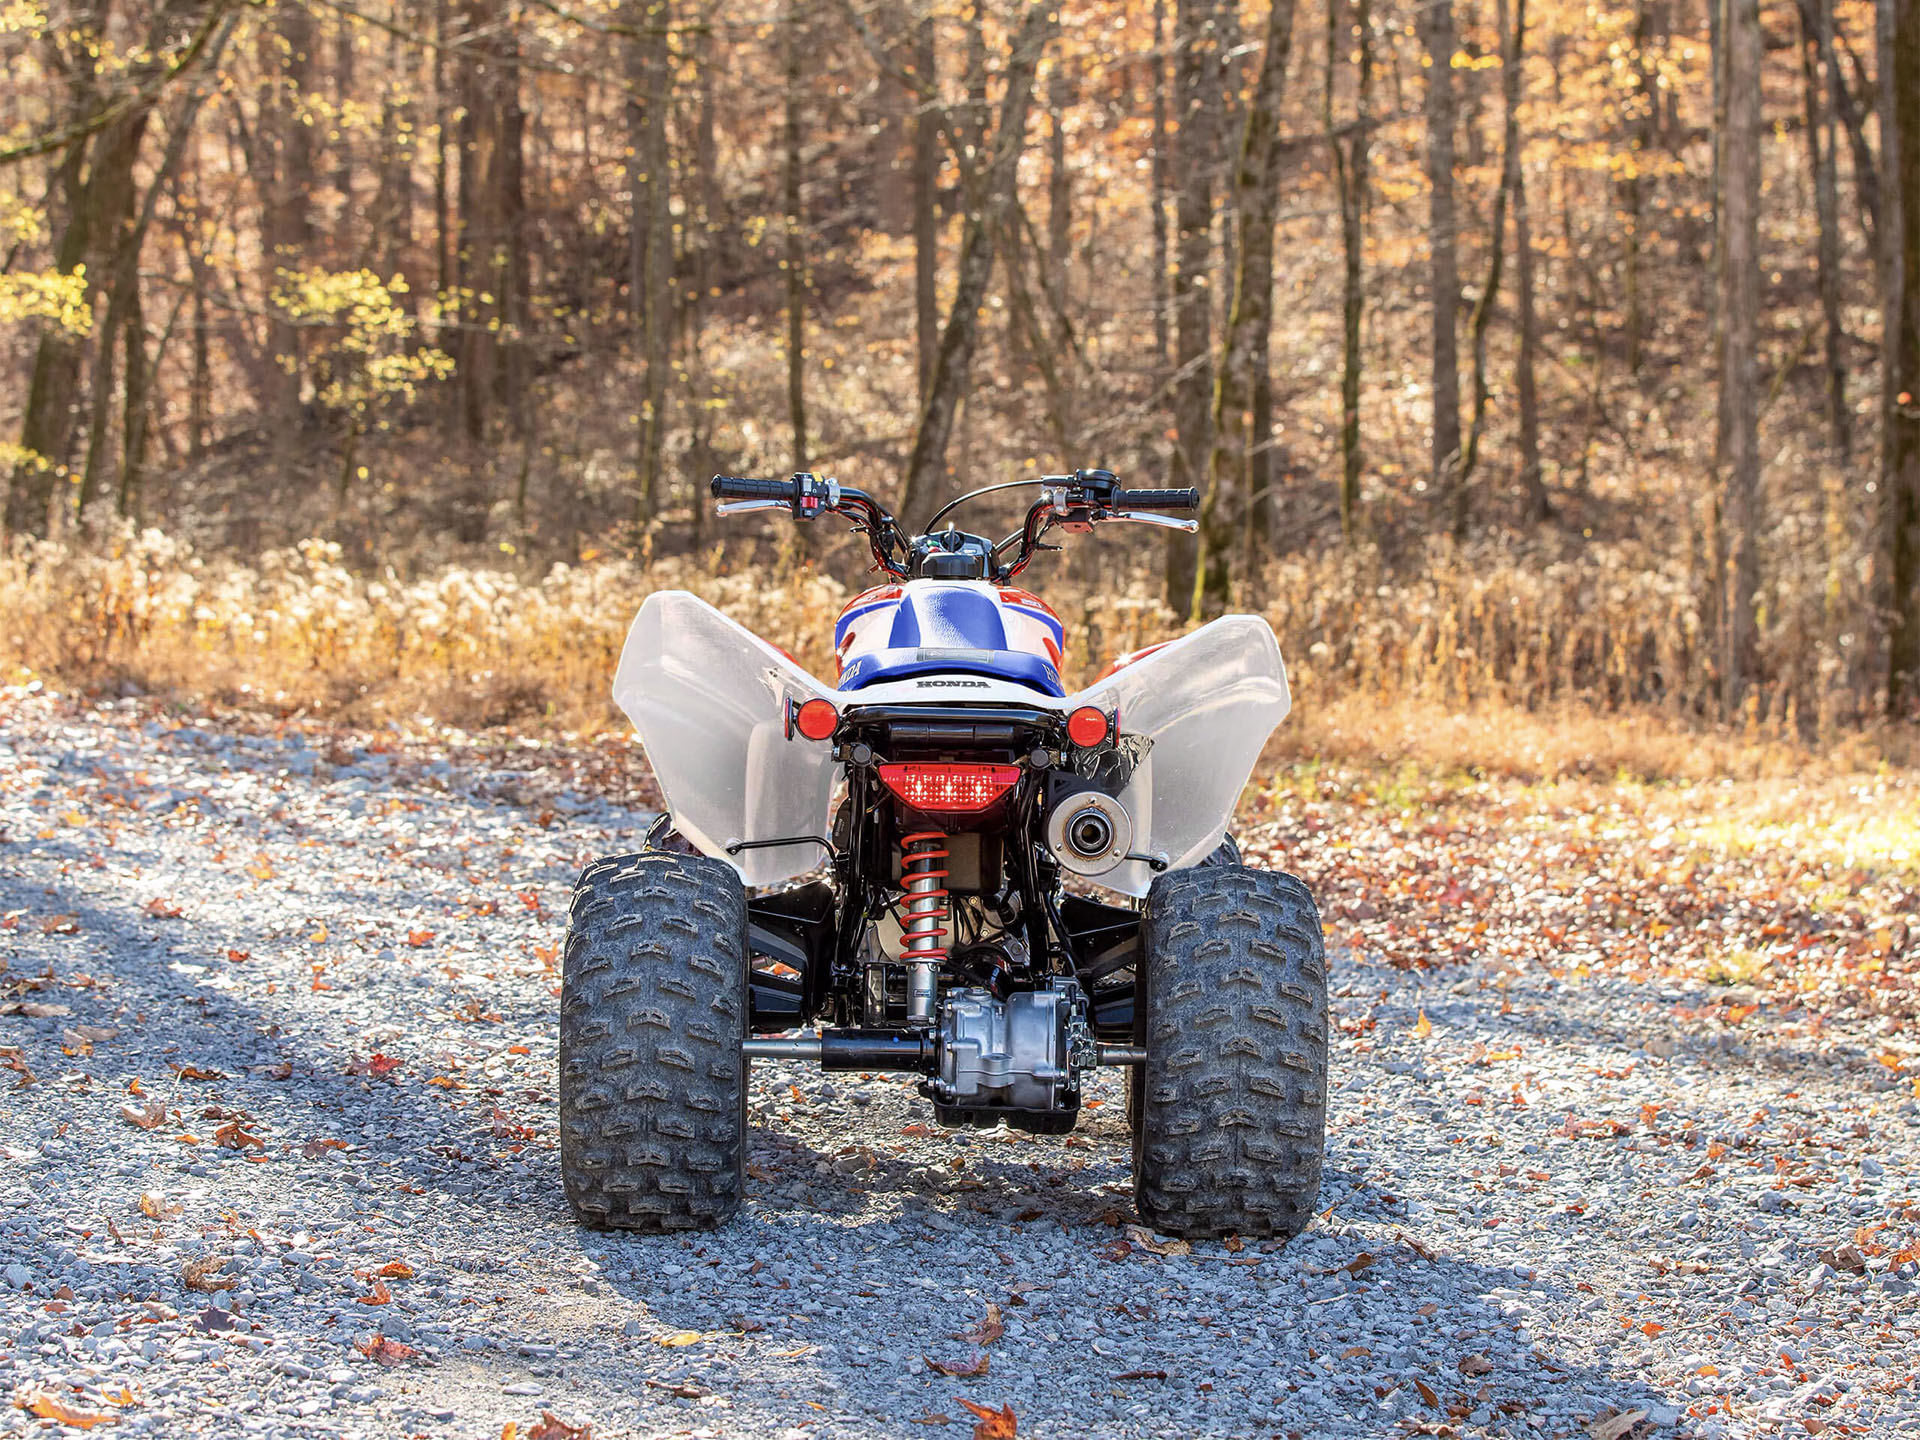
column 650, row 75
column 1161, row 179
column 1197, row 101
column 1526, row 365
column 1899, row 34
column 1822, row 161
column 989, row 197
column 1255, row 187
column 1739, row 309
column 93, row 184
column 1350, row 153
column 1440, row 41
column 794, row 260
column 1489, row 296
column 926, row 230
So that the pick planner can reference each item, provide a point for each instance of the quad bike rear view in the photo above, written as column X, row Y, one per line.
column 891, row 874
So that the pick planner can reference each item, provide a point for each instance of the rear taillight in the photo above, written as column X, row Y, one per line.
column 949, row 789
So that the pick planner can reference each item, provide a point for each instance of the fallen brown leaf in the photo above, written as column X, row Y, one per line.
column 1154, row 1245
column 234, row 1138
column 1426, row 1393
column 50, row 1407
column 551, row 1427
column 198, row 1072
column 162, row 908
column 384, row 1351
column 959, row 1369
column 993, row 1424
column 381, row 1295
column 204, row 1274
column 155, row 1207
column 1614, row 1426
column 14, row 1059
column 987, row 1331
column 1476, row 1365
column 35, row 1009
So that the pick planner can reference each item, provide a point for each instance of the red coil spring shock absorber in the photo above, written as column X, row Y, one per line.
column 922, row 870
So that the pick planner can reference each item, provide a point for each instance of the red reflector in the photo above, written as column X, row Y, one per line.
column 817, row 719
column 1087, row 726
column 950, row 788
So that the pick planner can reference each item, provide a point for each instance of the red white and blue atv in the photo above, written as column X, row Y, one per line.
column 952, row 791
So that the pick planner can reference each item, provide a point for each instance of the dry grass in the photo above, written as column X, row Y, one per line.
column 1482, row 661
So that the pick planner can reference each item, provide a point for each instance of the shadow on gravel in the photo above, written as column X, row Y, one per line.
column 827, row 1299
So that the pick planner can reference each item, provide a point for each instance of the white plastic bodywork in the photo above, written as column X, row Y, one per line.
column 1207, row 702
column 710, row 698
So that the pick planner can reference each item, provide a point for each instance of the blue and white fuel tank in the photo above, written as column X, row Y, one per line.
column 949, row 627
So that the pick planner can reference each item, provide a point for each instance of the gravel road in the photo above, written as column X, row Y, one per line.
column 277, row 1157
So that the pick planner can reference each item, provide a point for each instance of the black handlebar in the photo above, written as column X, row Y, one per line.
column 741, row 487
column 1188, row 499
column 1072, row 501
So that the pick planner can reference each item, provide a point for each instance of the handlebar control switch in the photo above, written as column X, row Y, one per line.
column 813, row 496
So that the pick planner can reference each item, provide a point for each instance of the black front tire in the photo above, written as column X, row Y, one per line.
column 1231, row 1103
column 653, row 1009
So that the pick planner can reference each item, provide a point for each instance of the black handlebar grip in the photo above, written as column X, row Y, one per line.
column 1188, row 499
column 741, row 487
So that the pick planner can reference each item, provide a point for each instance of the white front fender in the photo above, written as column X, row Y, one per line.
column 709, row 698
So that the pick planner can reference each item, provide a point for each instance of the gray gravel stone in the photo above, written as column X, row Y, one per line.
column 364, row 963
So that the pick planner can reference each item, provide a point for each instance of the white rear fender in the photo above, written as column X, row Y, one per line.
column 709, row 698
column 1207, row 703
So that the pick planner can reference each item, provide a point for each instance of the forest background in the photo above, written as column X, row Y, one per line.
column 1540, row 362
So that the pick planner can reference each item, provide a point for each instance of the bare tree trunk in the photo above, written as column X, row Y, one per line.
column 1437, row 25
column 1496, row 251
column 1351, row 156
column 1739, row 305
column 1525, row 381
column 1866, row 173
column 1899, row 26
column 288, row 142
column 1059, row 187
column 795, row 261
column 1256, row 187
column 1633, row 187
column 926, row 231
column 1197, row 99
column 200, row 388
column 656, row 66
column 1162, row 186
column 1822, row 159
column 133, row 412
column 443, row 130
column 987, row 213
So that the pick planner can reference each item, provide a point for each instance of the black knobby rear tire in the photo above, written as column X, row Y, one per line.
column 1232, row 1099
column 653, row 1009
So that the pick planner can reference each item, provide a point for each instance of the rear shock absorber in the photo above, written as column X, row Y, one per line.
column 923, row 872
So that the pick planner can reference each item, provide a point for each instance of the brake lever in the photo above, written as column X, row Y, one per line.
column 746, row 507
column 1142, row 517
